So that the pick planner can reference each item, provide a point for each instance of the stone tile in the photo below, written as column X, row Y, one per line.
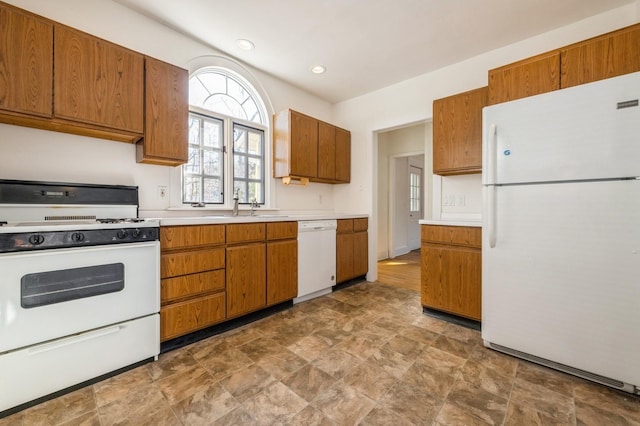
column 274, row 404
column 542, row 399
column 370, row 379
column 462, row 334
column 359, row 347
column 478, row 402
column 245, row 383
column 120, row 386
column 138, row 403
column 183, row 385
column 336, row 363
column 205, row 406
column 261, row 347
column 453, row 346
column 518, row 415
column 61, row 409
column 163, row 417
column 237, row 417
column 431, row 324
column 309, row 347
column 170, row 363
column 542, row 376
column 405, row 346
column 13, row 420
column 282, row 365
column 440, row 360
column 423, row 375
column 384, row 417
column 309, row 381
column 590, row 415
column 310, row 416
column 331, row 336
column 210, row 347
column 451, row 414
column 391, row 361
column 415, row 404
column 343, row 404
column 492, row 381
column 226, row 363
column 418, row 334
column 606, row 398
column 495, row 360
column 91, row 419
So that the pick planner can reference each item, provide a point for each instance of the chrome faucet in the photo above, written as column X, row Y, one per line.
column 235, row 204
column 254, row 205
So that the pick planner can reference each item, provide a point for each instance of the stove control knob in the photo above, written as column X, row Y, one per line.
column 122, row 234
column 136, row 233
column 36, row 239
column 77, row 237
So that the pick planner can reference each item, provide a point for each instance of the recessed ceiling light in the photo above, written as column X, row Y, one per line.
column 245, row 44
column 318, row 69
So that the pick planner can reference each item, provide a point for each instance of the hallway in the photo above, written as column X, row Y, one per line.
column 402, row 271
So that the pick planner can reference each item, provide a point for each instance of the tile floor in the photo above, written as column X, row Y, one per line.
column 363, row 355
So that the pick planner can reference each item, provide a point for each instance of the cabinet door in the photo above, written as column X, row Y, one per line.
column 282, row 271
column 326, row 151
column 344, row 257
column 26, row 63
column 191, row 315
column 304, row 145
column 166, row 114
column 457, row 132
column 246, row 279
column 609, row 55
column 360, row 254
column 532, row 76
column 97, row 82
column 343, row 155
column 451, row 280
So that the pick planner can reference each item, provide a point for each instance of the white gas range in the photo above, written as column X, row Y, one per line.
column 79, row 288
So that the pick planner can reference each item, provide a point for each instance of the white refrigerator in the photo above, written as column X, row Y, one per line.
column 561, row 230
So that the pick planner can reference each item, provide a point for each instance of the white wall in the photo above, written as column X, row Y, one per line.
column 37, row 154
column 411, row 101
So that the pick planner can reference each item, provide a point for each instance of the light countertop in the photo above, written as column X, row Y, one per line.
column 472, row 223
column 223, row 219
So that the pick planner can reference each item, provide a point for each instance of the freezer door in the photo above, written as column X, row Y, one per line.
column 590, row 131
column 561, row 281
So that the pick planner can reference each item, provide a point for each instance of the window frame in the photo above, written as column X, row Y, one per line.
column 257, row 92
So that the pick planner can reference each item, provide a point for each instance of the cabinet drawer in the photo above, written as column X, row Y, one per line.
column 189, row 262
column 282, row 230
column 190, row 285
column 174, row 237
column 345, row 226
column 360, row 225
column 182, row 318
column 245, row 232
column 453, row 235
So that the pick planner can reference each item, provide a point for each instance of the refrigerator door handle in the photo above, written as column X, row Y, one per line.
column 490, row 152
column 491, row 216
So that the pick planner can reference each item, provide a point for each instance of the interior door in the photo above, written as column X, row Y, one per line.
column 415, row 207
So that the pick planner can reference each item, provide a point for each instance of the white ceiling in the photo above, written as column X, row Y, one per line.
column 364, row 44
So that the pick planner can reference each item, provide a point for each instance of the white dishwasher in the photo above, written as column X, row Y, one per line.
column 316, row 258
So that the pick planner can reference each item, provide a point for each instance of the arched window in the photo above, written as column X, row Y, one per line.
column 226, row 117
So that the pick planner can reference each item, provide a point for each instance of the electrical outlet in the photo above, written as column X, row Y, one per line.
column 162, row 191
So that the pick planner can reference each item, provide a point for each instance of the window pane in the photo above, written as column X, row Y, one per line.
column 193, row 166
column 213, row 163
column 240, row 140
column 255, row 143
column 236, row 91
column 255, row 192
column 241, row 188
column 225, row 104
column 212, row 134
column 213, row 190
column 197, row 92
column 252, row 112
column 194, row 130
column 255, row 168
column 192, row 189
column 239, row 166
column 213, row 81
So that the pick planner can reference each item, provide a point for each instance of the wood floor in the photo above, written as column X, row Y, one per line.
column 402, row 271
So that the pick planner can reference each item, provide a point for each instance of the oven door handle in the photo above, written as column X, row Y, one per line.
column 68, row 341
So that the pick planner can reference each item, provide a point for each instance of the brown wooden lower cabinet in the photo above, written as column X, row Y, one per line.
column 282, row 271
column 352, row 249
column 246, row 279
column 451, row 270
column 184, row 317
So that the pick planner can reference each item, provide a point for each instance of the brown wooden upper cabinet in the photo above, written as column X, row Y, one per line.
column 528, row 77
column 609, row 55
column 305, row 147
column 166, row 109
column 97, row 82
column 457, row 133
column 26, row 63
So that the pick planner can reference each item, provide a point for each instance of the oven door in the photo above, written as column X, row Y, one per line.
column 49, row 294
